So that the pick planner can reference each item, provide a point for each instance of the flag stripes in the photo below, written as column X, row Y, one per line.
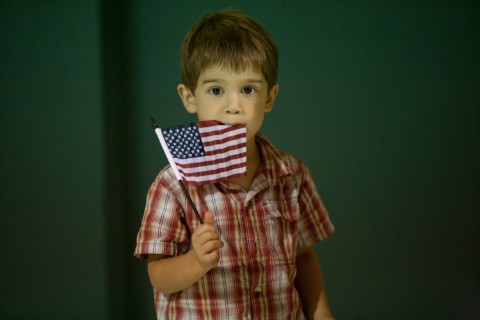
column 206, row 151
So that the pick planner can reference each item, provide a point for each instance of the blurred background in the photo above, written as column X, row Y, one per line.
column 381, row 99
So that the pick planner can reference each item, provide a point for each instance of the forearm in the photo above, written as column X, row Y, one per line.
column 173, row 274
column 311, row 288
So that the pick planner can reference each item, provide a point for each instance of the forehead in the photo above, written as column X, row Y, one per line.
column 220, row 73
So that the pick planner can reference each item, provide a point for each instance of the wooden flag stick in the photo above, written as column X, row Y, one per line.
column 199, row 218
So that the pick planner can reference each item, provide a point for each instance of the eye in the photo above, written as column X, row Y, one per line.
column 248, row 90
column 215, row 91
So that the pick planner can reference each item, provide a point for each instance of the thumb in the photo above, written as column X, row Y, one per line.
column 208, row 218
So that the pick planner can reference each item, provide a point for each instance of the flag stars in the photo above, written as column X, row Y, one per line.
column 184, row 141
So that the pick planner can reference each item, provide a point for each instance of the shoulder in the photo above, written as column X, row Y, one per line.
column 165, row 180
column 282, row 160
column 168, row 188
column 294, row 161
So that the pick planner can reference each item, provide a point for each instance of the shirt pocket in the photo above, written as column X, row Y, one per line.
column 281, row 229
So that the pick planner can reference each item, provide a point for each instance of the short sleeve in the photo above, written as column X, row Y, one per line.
column 314, row 223
column 161, row 231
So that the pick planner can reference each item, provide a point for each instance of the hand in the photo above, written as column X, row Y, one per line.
column 206, row 243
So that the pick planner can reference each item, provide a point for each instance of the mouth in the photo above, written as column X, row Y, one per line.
column 230, row 122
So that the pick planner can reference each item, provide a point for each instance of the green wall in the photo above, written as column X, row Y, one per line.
column 380, row 99
column 52, row 230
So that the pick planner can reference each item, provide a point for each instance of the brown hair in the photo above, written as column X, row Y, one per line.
column 229, row 39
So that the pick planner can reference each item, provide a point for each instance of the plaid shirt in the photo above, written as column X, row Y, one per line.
column 262, row 230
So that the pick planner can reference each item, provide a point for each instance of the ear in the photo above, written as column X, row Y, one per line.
column 272, row 94
column 187, row 97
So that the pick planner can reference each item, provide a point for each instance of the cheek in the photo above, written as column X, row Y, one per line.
column 254, row 125
column 204, row 113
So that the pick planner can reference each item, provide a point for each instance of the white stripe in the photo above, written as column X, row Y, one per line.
column 225, row 145
column 212, row 128
column 212, row 166
column 223, row 135
column 210, row 158
column 216, row 127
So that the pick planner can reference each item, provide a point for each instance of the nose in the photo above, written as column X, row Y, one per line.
column 233, row 104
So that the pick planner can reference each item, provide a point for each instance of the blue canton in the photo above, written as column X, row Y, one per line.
column 184, row 141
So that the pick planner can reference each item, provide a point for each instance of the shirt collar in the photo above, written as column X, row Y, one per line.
column 272, row 165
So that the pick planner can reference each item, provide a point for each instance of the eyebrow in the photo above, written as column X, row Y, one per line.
column 209, row 81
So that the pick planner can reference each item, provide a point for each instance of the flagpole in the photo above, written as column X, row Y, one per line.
column 199, row 218
column 174, row 167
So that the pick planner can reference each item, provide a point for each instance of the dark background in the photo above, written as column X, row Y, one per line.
column 380, row 98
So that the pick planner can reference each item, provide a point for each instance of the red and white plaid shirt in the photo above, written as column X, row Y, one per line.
column 262, row 230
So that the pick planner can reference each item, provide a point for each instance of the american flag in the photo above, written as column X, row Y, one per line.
column 206, row 151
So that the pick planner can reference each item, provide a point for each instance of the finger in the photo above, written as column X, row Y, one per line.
column 206, row 235
column 208, row 218
column 212, row 258
column 211, row 246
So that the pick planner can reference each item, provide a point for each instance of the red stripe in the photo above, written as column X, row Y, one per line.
column 211, row 162
column 224, row 150
column 208, row 123
column 221, row 131
column 219, row 140
column 212, row 123
column 212, row 172
column 203, row 173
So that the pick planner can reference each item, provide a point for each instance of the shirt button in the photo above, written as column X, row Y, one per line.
column 258, row 290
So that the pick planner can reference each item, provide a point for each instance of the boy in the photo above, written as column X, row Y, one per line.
column 252, row 258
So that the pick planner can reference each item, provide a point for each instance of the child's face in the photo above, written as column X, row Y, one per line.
column 230, row 97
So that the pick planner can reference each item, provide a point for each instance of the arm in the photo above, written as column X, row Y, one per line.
column 173, row 274
column 310, row 286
